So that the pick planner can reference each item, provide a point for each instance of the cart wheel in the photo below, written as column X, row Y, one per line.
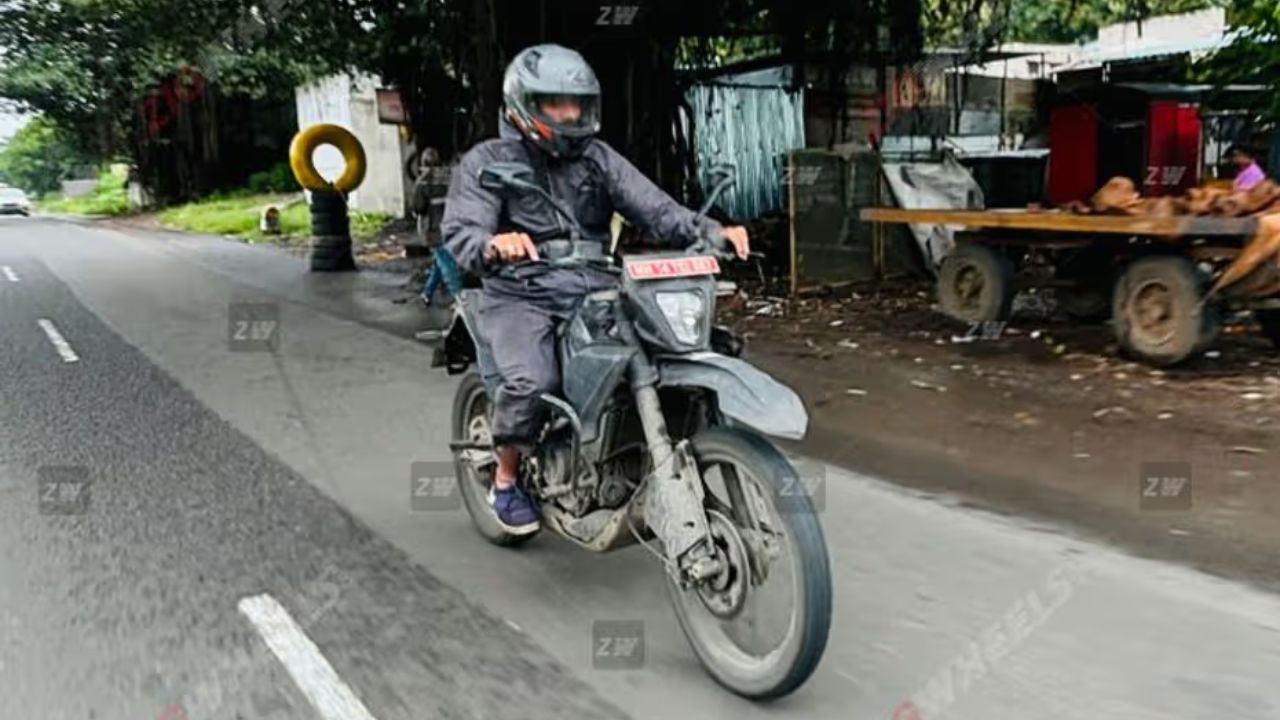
column 975, row 284
column 1270, row 322
column 1157, row 312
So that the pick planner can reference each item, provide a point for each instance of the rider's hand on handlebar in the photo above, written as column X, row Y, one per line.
column 737, row 236
column 510, row 247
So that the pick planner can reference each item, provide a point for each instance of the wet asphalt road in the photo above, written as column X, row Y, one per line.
column 165, row 474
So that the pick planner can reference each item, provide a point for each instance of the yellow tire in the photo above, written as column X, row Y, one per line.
column 304, row 146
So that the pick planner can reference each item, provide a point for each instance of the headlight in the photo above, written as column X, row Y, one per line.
column 685, row 312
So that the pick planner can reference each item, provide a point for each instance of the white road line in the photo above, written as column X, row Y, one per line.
column 59, row 343
column 313, row 674
column 9, row 274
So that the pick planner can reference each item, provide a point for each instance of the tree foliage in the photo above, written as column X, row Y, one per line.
column 39, row 157
column 1253, row 57
column 981, row 24
column 86, row 64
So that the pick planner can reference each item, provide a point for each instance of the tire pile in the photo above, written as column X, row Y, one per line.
column 331, row 232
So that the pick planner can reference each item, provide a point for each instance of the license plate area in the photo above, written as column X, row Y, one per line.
column 671, row 267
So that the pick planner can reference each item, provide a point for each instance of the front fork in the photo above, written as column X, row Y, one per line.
column 674, row 494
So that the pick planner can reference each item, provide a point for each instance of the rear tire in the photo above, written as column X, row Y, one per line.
column 1157, row 311
column 471, row 418
column 811, row 624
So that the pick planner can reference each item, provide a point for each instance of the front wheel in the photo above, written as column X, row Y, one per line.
column 759, row 627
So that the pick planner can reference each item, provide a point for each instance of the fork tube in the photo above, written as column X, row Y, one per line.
column 644, row 380
column 653, row 422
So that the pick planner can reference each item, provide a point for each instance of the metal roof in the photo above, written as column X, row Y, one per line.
column 1197, row 46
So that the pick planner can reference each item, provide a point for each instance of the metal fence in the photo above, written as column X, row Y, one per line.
column 753, row 128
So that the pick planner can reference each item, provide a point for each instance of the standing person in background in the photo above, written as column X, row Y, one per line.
column 1248, row 172
column 426, row 188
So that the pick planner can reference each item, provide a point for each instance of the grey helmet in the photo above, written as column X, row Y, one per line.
column 544, row 71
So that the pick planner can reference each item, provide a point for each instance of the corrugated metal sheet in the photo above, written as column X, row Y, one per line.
column 753, row 128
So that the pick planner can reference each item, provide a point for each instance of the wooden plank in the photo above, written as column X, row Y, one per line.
column 1056, row 221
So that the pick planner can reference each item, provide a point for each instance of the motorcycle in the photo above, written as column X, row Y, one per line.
column 657, row 437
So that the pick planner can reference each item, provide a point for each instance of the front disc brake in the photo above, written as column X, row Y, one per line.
column 725, row 593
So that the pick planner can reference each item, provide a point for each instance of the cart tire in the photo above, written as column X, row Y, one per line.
column 1270, row 322
column 1157, row 313
column 975, row 284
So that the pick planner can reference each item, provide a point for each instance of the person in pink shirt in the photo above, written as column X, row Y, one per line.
column 1248, row 172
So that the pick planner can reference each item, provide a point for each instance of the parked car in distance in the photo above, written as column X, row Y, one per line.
column 14, row 201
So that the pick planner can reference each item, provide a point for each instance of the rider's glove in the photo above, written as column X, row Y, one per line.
column 510, row 247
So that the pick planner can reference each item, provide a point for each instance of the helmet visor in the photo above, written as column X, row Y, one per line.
column 571, row 115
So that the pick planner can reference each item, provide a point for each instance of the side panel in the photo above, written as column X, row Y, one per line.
column 748, row 396
column 591, row 374
column 1173, row 148
column 1073, row 153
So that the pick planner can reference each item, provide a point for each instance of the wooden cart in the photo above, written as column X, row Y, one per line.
column 1149, row 275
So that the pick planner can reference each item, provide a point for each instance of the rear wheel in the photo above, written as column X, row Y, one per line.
column 1158, row 313
column 761, row 625
column 472, row 415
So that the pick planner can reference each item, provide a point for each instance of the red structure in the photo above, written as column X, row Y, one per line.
column 1150, row 134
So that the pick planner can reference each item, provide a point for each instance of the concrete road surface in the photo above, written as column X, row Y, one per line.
column 195, row 525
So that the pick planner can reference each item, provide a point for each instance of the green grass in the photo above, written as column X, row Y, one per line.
column 109, row 198
column 237, row 215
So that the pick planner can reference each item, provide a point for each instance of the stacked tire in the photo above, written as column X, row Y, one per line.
column 331, row 232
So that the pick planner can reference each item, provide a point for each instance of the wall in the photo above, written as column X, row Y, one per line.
column 351, row 103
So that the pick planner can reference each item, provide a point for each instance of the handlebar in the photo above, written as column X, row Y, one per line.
column 715, row 244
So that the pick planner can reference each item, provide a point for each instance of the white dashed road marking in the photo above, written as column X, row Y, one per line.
column 313, row 674
column 9, row 274
column 59, row 343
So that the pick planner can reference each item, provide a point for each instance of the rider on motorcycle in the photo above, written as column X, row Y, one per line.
column 550, row 119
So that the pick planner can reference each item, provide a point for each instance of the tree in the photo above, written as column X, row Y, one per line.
column 979, row 25
column 1252, row 58
column 39, row 157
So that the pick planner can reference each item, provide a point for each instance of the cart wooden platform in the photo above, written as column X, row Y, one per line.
column 1148, row 275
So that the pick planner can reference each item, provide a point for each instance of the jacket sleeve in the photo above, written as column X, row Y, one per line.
column 642, row 202
column 471, row 213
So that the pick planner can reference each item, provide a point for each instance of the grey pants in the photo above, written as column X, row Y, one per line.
column 518, row 317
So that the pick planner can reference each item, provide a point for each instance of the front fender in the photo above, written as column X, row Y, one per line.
column 749, row 396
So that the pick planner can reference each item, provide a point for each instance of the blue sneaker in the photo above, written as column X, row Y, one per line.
column 514, row 510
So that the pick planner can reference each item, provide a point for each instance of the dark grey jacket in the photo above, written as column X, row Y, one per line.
column 592, row 186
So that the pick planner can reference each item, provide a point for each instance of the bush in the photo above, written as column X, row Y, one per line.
column 279, row 179
column 109, row 198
